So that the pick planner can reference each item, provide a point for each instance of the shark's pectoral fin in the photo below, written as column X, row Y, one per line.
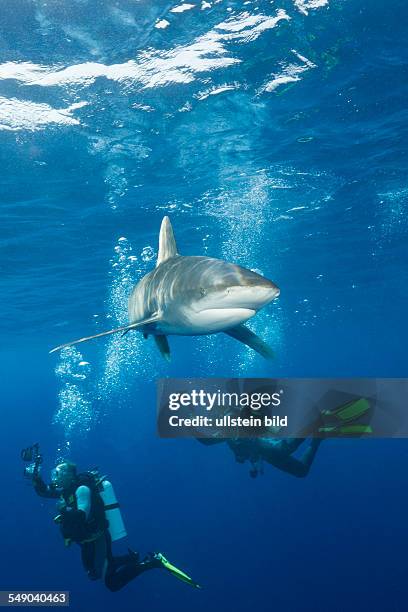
column 163, row 346
column 246, row 336
column 124, row 328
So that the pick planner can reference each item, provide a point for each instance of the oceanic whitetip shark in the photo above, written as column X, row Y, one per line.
column 192, row 296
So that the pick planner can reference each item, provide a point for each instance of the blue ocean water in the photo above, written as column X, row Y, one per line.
column 274, row 135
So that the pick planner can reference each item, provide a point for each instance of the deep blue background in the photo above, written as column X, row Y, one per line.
column 303, row 180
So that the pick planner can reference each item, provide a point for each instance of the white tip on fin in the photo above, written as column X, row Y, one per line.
column 167, row 242
column 124, row 328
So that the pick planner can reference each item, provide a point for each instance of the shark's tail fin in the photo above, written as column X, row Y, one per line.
column 123, row 328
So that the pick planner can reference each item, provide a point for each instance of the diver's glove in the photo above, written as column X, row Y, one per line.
column 74, row 525
column 39, row 485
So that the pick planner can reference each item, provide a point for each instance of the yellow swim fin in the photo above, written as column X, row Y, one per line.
column 177, row 573
column 352, row 418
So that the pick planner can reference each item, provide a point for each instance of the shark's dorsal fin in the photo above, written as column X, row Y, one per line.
column 167, row 242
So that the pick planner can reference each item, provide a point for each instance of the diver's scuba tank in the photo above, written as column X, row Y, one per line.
column 112, row 511
column 104, row 489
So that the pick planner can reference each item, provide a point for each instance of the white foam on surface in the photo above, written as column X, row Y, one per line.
column 304, row 6
column 181, row 8
column 162, row 24
column 25, row 115
column 290, row 73
column 247, row 27
column 154, row 68
column 215, row 91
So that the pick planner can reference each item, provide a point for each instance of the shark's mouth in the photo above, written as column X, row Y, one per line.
column 212, row 320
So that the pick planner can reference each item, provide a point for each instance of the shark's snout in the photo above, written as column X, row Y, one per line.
column 267, row 285
column 253, row 296
column 273, row 289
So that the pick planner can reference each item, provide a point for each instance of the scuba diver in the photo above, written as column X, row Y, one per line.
column 276, row 451
column 349, row 419
column 88, row 514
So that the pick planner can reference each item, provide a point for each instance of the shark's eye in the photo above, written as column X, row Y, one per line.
column 202, row 291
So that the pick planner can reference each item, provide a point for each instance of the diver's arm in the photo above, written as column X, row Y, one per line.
column 83, row 498
column 44, row 490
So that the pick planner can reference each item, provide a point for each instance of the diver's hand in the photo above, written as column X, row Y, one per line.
column 38, row 482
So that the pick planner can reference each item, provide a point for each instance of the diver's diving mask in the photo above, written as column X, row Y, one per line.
column 63, row 475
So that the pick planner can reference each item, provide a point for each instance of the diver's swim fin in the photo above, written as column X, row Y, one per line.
column 346, row 419
column 246, row 336
column 177, row 573
column 124, row 329
column 163, row 346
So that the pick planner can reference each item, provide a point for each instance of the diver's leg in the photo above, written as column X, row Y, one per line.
column 94, row 557
column 279, row 456
column 277, row 448
column 88, row 558
column 300, row 467
column 310, row 453
column 114, row 562
column 289, row 445
column 130, row 557
column 117, row 577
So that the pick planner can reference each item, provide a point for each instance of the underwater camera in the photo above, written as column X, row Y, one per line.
column 33, row 457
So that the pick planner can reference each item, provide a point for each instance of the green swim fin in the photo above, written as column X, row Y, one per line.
column 348, row 418
column 178, row 573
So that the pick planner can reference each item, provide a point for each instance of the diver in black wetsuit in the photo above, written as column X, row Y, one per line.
column 82, row 519
column 277, row 452
column 351, row 418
